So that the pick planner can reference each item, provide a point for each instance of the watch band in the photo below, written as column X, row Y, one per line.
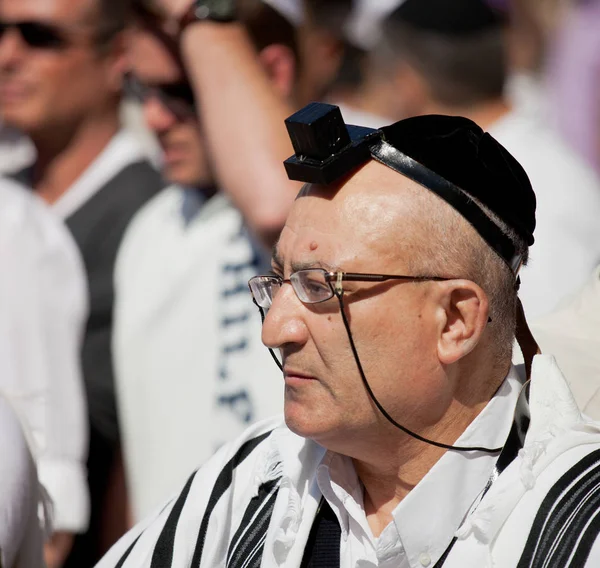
column 222, row 11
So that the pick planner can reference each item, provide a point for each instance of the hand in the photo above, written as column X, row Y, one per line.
column 57, row 549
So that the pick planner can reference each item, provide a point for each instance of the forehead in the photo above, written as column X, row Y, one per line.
column 65, row 11
column 153, row 60
column 366, row 218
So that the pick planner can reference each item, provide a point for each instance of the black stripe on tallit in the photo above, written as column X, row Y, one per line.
column 162, row 557
column 554, row 517
column 121, row 561
column 221, row 485
column 127, row 552
column 578, row 519
column 585, row 544
column 248, row 542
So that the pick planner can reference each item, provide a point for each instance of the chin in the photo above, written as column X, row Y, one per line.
column 303, row 423
column 19, row 118
column 179, row 175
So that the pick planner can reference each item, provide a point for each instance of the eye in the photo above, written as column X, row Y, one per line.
column 316, row 286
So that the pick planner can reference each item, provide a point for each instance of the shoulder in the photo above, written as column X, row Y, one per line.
column 29, row 223
column 210, row 505
column 546, row 158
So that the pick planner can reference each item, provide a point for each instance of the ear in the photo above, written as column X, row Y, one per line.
column 117, row 60
column 280, row 65
column 463, row 315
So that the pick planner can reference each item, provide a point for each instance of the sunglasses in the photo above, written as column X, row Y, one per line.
column 178, row 98
column 38, row 35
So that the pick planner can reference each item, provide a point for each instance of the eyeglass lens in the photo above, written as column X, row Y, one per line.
column 176, row 97
column 311, row 286
column 36, row 34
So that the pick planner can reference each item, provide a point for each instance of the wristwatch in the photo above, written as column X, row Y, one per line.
column 211, row 10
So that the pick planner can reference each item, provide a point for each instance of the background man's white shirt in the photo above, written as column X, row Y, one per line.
column 191, row 371
column 43, row 308
column 567, row 233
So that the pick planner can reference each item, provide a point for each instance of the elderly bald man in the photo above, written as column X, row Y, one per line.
column 408, row 438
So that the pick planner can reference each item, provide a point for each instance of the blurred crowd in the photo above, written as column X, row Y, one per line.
column 140, row 191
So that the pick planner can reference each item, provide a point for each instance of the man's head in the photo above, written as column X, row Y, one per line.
column 61, row 61
column 328, row 58
column 423, row 345
column 167, row 96
column 441, row 56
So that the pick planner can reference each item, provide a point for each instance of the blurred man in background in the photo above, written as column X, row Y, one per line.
column 43, row 310
column 191, row 371
column 450, row 58
column 61, row 71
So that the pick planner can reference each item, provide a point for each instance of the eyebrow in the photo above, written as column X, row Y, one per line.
column 278, row 262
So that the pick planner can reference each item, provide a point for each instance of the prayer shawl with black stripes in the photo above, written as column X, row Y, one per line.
column 255, row 502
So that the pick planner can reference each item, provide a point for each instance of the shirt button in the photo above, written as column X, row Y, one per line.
column 424, row 559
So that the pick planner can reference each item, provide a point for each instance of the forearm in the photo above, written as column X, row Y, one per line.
column 242, row 119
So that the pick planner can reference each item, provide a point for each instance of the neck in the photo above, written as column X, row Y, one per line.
column 484, row 114
column 371, row 98
column 63, row 157
column 393, row 463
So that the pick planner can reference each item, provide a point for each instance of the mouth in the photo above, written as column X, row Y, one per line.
column 296, row 376
column 13, row 92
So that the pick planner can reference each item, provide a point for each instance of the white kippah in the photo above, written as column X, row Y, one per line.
column 291, row 10
column 363, row 27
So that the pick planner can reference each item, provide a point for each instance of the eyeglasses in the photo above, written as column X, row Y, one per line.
column 178, row 98
column 38, row 35
column 316, row 285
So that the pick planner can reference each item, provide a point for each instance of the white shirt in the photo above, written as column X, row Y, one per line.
column 191, row 371
column 122, row 150
column 567, row 233
column 43, row 307
column 21, row 536
column 404, row 543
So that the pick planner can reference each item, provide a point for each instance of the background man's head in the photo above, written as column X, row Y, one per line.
column 441, row 56
column 61, row 62
column 167, row 96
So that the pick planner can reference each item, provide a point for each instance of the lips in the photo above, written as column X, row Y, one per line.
column 293, row 374
column 12, row 92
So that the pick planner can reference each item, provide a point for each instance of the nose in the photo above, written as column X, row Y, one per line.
column 11, row 47
column 157, row 116
column 284, row 323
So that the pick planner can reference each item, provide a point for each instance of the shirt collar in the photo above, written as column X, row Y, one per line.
column 427, row 518
column 122, row 150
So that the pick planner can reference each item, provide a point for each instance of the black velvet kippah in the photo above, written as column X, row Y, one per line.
column 458, row 150
column 450, row 17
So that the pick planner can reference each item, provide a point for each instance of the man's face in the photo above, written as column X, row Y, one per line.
column 52, row 71
column 363, row 227
column 168, row 108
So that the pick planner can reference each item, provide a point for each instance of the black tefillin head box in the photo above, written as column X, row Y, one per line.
column 325, row 148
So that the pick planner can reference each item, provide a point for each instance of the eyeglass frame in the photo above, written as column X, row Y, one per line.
column 54, row 36
column 338, row 277
column 182, row 105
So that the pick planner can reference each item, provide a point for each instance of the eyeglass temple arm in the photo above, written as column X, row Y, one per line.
column 357, row 277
